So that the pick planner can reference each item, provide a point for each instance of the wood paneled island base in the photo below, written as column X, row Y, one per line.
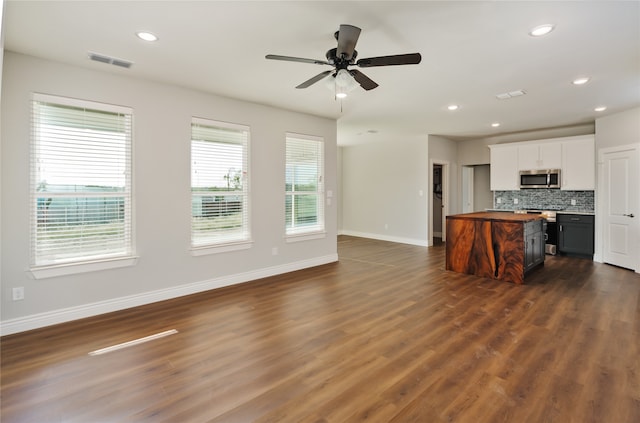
column 497, row 245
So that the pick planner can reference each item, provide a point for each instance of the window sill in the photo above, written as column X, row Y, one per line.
column 305, row 236
column 220, row 248
column 52, row 271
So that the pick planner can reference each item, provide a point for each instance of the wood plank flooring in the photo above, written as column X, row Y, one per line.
column 385, row 335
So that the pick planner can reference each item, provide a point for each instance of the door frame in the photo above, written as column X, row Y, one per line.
column 600, row 195
column 445, row 175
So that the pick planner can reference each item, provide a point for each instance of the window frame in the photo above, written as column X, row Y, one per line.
column 99, row 261
column 319, row 230
column 224, row 245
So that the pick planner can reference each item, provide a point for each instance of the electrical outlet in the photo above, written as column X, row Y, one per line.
column 573, row 202
column 515, row 201
column 18, row 293
column 274, row 251
column 499, row 200
column 386, row 226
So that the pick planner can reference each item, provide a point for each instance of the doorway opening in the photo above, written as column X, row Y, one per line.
column 437, row 203
column 476, row 190
column 438, row 200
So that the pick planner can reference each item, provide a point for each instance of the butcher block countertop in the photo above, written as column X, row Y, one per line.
column 497, row 216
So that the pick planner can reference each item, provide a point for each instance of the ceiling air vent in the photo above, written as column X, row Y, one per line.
column 510, row 94
column 110, row 60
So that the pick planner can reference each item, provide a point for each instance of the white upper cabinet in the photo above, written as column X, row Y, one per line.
column 574, row 156
column 547, row 155
column 579, row 164
column 504, row 168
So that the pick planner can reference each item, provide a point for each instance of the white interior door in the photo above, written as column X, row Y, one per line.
column 621, row 206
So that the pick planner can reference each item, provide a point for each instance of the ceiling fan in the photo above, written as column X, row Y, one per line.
column 344, row 56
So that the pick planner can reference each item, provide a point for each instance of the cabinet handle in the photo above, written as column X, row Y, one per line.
column 629, row 215
column 560, row 228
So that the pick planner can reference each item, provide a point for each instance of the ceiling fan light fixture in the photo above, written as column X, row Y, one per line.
column 344, row 83
column 345, row 80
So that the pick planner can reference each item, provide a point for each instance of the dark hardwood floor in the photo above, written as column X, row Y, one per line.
column 385, row 335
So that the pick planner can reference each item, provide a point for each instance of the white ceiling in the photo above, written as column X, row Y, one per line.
column 471, row 51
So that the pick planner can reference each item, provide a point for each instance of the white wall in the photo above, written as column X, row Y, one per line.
column 618, row 129
column 381, row 184
column 162, row 116
column 2, row 292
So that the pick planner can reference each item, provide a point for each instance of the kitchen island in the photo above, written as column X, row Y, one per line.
column 497, row 245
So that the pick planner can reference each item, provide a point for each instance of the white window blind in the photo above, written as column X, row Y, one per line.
column 219, row 183
column 80, row 181
column 304, row 200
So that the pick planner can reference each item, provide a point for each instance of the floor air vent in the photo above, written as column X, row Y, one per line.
column 110, row 60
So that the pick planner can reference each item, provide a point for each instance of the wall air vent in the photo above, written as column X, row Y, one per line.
column 110, row 60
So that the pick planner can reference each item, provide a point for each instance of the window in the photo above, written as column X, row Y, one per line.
column 304, row 201
column 80, row 182
column 219, row 184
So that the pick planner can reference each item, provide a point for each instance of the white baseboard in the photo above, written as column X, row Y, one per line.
column 411, row 241
column 49, row 318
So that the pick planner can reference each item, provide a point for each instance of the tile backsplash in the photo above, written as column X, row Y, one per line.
column 545, row 199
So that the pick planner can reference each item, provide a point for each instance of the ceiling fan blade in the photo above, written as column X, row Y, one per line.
column 347, row 39
column 398, row 59
column 315, row 79
column 296, row 59
column 362, row 79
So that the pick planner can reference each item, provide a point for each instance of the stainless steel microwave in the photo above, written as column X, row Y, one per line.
column 545, row 178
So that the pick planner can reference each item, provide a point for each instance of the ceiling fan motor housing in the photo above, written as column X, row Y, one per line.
column 340, row 62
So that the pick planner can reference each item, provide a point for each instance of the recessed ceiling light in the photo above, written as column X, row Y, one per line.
column 600, row 109
column 541, row 30
column 495, row 124
column 580, row 81
column 147, row 36
column 453, row 107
